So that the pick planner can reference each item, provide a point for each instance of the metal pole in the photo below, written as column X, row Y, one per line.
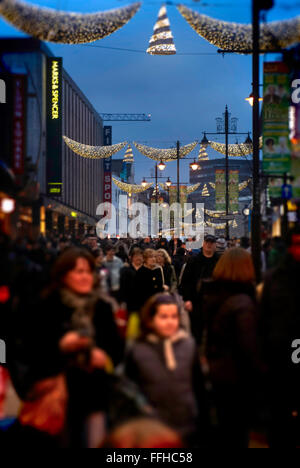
column 227, row 170
column 285, row 222
column 256, row 214
column 178, row 171
column 156, row 183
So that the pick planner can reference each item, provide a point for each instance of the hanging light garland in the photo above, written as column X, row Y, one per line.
column 192, row 189
column 218, row 226
column 129, row 158
column 242, row 186
column 213, row 186
column 162, row 41
column 165, row 155
column 130, row 188
column 50, row 25
column 93, row 152
column 236, row 150
column 205, row 192
column 217, row 214
column 239, row 37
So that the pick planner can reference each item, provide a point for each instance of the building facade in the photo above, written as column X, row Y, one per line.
column 36, row 152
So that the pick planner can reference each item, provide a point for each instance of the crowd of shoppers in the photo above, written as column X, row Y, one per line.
column 99, row 333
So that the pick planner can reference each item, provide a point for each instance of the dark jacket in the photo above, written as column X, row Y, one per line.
column 37, row 355
column 172, row 393
column 148, row 283
column 170, row 277
column 230, row 332
column 127, row 293
column 197, row 269
column 280, row 324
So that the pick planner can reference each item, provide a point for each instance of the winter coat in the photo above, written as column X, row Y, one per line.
column 197, row 269
column 128, row 283
column 170, row 279
column 148, row 283
column 37, row 355
column 168, row 375
column 230, row 337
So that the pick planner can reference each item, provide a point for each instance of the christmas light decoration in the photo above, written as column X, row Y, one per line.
column 192, row 189
column 93, row 152
column 217, row 214
column 205, row 192
column 65, row 27
column 244, row 185
column 235, row 224
column 213, row 186
column 129, row 158
column 162, row 41
column 218, row 226
column 165, row 155
column 130, row 188
column 239, row 37
column 203, row 155
column 236, row 150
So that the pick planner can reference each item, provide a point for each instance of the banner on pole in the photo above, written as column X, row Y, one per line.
column 220, row 190
column 276, row 132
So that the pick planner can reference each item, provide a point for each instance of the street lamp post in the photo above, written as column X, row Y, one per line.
column 228, row 130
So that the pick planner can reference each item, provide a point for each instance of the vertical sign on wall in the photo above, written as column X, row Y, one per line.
column 54, row 126
column 107, row 166
column 19, row 124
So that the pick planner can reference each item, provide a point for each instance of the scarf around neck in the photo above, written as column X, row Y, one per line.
column 168, row 343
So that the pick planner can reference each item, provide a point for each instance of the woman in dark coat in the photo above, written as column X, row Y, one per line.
column 229, row 339
column 71, row 331
column 149, row 279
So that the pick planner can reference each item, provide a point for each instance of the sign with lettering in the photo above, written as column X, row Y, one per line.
column 54, row 126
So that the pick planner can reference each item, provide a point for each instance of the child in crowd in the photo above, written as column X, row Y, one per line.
column 165, row 366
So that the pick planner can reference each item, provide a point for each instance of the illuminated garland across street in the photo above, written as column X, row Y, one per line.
column 218, row 214
column 242, row 186
column 236, row 150
column 162, row 41
column 239, row 37
column 165, row 155
column 192, row 189
column 93, row 152
column 130, row 188
column 65, row 27
column 218, row 226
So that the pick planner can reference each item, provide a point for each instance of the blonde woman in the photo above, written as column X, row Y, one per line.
column 163, row 260
column 149, row 279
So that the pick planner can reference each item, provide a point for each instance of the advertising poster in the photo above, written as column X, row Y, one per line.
column 276, row 132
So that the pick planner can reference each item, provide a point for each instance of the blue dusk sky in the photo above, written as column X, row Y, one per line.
column 184, row 93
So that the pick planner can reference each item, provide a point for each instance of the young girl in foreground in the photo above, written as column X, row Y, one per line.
column 164, row 364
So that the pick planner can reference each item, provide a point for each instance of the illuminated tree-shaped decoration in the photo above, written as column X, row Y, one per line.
column 213, row 186
column 165, row 155
column 235, row 224
column 205, row 192
column 65, row 27
column 203, row 155
column 129, row 158
column 131, row 188
column 162, row 40
column 239, row 37
column 93, row 152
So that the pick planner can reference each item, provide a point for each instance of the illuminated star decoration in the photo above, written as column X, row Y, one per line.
column 128, row 158
column 130, row 188
column 162, row 41
column 93, row 152
column 239, row 37
column 165, row 155
column 65, row 27
column 203, row 155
